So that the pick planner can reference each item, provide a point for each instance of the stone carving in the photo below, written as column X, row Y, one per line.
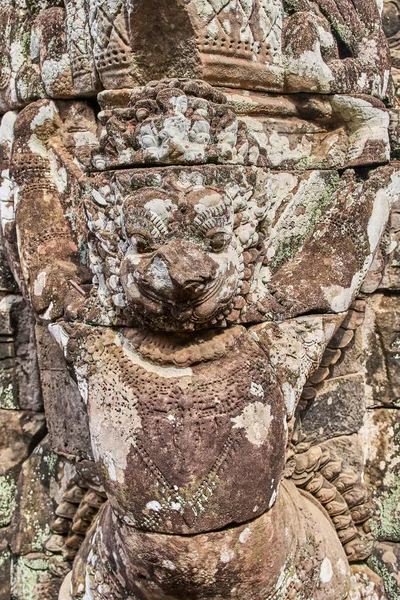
column 197, row 256
column 391, row 24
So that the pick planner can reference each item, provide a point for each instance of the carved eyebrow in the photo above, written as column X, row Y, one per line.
column 212, row 217
column 143, row 217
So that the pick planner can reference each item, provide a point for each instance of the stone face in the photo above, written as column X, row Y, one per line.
column 203, row 296
column 26, row 362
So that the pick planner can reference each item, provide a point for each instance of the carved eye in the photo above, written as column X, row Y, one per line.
column 144, row 244
column 219, row 240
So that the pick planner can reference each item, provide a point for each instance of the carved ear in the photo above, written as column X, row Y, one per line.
column 295, row 348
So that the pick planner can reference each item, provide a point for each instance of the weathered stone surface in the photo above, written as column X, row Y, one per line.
column 391, row 274
column 47, row 51
column 181, row 121
column 19, row 374
column 382, row 334
column 5, row 565
column 366, row 584
column 385, row 560
column 296, row 229
column 40, row 488
column 32, row 577
column 197, row 252
column 338, row 408
column 20, row 431
column 349, row 449
column 157, row 481
column 381, row 433
column 26, row 363
column 222, row 562
column 66, row 412
column 54, row 62
column 253, row 45
column 391, row 25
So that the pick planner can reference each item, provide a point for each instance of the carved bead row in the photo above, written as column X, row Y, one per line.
column 74, row 516
column 340, row 492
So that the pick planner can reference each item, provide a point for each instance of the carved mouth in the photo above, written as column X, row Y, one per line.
column 184, row 311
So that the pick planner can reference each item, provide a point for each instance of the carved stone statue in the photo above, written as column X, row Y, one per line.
column 197, row 256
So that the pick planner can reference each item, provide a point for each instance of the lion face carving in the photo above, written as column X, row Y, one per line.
column 182, row 263
column 169, row 252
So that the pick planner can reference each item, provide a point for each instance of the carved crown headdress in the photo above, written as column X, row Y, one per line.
column 269, row 45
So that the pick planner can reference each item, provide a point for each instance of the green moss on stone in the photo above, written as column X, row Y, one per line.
column 390, row 584
column 7, row 499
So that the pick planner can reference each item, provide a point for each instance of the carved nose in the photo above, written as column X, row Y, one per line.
column 188, row 268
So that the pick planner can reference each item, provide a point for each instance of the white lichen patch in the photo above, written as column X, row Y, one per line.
column 365, row 124
column 311, row 66
column 112, row 440
column 339, row 297
column 256, row 420
column 227, row 555
column 153, row 505
column 60, row 335
column 47, row 112
column 244, row 535
column 52, row 70
column 326, row 571
column 40, row 283
column 257, row 390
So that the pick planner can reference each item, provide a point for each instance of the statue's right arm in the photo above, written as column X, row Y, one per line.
column 48, row 250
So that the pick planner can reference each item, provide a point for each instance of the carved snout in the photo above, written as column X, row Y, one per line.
column 180, row 271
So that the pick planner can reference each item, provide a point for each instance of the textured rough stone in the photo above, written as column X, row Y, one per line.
column 26, row 364
column 20, row 430
column 386, row 561
column 199, row 241
column 65, row 410
column 381, row 363
column 391, row 275
column 32, row 578
column 366, row 584
column 231, row 559
column 381, row 440
column 5, row 566
column 175, row 121
column 39, row 488
column 338, row 408
column 391, row 25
